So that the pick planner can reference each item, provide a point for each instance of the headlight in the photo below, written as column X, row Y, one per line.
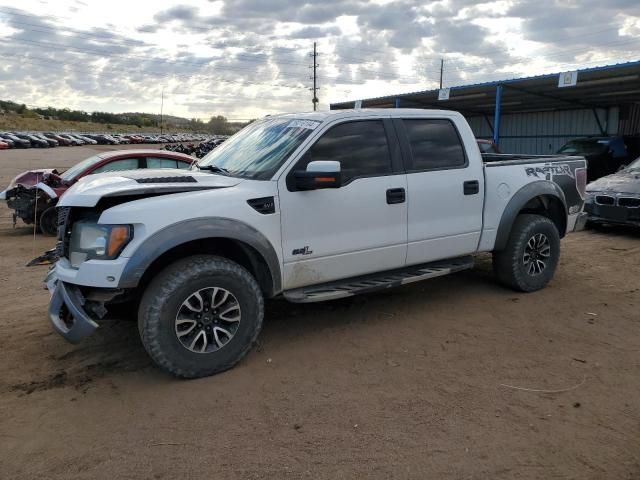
column 89, row 240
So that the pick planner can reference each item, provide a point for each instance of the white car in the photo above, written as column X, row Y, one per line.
column 309, row 207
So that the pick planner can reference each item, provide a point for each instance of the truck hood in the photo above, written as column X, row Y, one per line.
column 141, row 183
column 621, row 182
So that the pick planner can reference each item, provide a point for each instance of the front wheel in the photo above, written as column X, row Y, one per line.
column 49, row 221
column 531, row 256
column 200, row 316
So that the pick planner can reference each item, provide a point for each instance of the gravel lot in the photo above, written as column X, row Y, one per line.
column 409, row 383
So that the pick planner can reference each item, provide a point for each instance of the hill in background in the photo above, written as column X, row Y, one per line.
column 15, row 116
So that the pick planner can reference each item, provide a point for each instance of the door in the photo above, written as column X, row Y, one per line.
column 445, row 191
column 359, row 228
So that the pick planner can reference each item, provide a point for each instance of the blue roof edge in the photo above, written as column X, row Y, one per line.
column 497, row 82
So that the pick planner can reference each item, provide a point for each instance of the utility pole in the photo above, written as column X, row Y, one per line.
column 161, row 108
column 441, row 71
column 315, row 88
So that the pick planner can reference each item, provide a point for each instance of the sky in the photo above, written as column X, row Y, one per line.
column 248, row 58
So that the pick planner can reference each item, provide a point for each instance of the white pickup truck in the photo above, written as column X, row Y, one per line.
column 310, row 207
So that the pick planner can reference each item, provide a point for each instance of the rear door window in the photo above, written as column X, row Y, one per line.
column 119, row 165
column 153, row 162
column 435, row 144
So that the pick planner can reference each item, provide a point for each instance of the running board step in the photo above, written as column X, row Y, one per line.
column 378, row 281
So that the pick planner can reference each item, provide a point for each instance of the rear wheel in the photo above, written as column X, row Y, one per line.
column 531, row 256
column 200, row 316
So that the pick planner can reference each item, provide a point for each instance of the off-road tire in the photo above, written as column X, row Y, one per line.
column 508, row 264
column 161, row 302
column 48, row 222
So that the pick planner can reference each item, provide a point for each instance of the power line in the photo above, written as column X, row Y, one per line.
column 140, row 44
column 207, row 29
column 79, row 33
column 286, row 75
column 47, row 62
column 86, row 51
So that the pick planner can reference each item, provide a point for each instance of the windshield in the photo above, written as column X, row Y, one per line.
column 259, row 149
column 78, row 168
column 584, row 147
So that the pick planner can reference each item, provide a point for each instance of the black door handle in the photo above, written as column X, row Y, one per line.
column 396, row 195
column 471, row 187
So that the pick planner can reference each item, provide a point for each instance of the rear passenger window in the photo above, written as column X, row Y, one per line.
column 161, row 163
column 360, row 147
column 118, row 165
column 435, row 144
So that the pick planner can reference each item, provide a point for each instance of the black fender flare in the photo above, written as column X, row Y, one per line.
column 519, row 200
column 198, row 229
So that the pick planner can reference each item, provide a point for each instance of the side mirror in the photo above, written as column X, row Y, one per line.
column 319, row 174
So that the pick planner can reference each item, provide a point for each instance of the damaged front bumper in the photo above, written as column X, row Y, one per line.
column 66, row 310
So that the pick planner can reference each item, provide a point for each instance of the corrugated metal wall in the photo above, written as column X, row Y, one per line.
column 539, row 133
column 630, row 120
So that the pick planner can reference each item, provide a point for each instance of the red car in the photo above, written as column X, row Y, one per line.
column 43, row 188
column 134, row 138
column 61, row 140
column 3, row 145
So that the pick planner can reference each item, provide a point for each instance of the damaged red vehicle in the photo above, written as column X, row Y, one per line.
column 33, row 195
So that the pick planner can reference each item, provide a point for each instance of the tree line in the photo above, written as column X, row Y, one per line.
column 217, row 124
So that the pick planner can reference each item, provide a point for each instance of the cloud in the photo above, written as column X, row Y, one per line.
column 148, row 28
column 250, row 57
column 587, row 23
column 315, row 32
column 183, row 13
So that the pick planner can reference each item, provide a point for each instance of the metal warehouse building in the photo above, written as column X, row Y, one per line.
column 537, row 115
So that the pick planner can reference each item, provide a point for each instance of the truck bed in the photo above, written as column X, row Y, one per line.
column 498, row 159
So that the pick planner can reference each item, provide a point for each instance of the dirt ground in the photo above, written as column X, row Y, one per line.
column 409, row 383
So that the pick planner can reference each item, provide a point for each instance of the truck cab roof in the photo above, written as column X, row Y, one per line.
column 366, row 112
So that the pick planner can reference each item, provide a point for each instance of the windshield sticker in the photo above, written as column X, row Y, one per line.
column 308, row 124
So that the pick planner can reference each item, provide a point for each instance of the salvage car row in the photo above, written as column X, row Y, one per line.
column 53, row 139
